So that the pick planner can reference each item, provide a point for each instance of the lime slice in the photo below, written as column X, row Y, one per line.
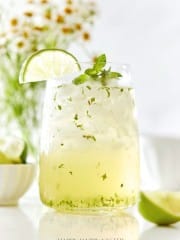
column 162, row 208
column 48, row 64
column 12, row 150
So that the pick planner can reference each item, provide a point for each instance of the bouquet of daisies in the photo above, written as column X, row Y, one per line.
column 36, row 25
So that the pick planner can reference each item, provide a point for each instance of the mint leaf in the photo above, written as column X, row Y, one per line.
column 111, row 75
column 91, row 71
column 81, row 79
column 100, row 62
column 98, row 73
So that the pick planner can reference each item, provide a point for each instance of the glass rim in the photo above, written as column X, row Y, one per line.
column 67, row 79
column 114, row 63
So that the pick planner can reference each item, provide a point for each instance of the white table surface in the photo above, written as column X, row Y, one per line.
column 30, row 220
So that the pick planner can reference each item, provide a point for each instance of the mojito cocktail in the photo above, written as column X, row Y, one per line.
column 89, row 156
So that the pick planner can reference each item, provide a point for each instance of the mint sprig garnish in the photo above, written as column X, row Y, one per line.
column 97, row 72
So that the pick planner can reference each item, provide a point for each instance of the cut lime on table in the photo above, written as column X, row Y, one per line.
column 48, row 64
column 12, row 150
column 162, row 208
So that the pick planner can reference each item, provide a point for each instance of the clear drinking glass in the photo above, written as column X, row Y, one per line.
column 89, row 156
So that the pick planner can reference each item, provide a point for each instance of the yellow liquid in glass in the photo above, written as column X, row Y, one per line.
column 90, row 178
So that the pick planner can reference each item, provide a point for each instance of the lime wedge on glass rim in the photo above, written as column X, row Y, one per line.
column 47, row 64
column 162, row 208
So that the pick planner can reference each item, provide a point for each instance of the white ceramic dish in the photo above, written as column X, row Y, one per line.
column 15, row 180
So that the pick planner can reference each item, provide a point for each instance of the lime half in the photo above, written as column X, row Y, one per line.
column 12, row 150
column 48, row 64
column 162, row 208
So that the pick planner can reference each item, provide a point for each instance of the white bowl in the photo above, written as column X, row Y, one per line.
column 15, row 180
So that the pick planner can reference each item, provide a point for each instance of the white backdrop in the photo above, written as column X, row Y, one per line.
column 146, row 34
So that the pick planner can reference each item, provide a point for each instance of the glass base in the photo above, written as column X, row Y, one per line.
column 92, row 210
column 99, row 205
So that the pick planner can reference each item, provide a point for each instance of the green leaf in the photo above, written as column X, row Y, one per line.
column 111, row 75
column 98, row 73
column 91, row 71
column 81, row 79
column 100, row 63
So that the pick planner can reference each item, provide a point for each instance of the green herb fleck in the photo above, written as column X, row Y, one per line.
column 104, row 176
column 87, row 113
column 91, row 101
column 59, row 107
column 121, row 185
column 54, row 99
column 107, row 89
column 82, row 91
column 61, row 165
column 89, row 137
column 76, row 117
column 116, row 195
column 98, row 165
column 97, row 73
column 88, row 87
column 79, row 126
column 69, row 99
column 62, row 144
column 70, row 172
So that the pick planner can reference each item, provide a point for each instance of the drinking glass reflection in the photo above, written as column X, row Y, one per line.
column 70, row 226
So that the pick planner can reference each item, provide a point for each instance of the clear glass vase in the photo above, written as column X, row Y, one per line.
column 89, row 158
